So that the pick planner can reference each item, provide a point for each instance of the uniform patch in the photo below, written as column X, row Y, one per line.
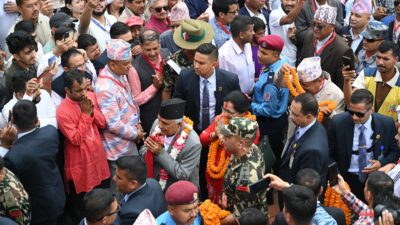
column 267, row 97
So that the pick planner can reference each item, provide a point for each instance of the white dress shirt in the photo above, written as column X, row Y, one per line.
column 212, row 88
column 356, row 41
column 259, row 15
column 368, row 138
column 101, row 32
column 321, row 43
column 46, row 110
column 240, row 62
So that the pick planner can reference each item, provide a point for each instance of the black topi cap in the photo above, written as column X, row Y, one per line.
column 172, row 109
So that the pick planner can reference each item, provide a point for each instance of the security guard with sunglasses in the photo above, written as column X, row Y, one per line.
column 361, row 141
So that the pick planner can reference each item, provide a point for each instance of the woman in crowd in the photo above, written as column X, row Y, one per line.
column 115, row 8
column 236, row 104
column 74, row 8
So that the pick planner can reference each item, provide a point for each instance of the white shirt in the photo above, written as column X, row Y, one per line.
column 356, row 40
column 289, row 49
column 7, row 20
column 259, row 15
column 395, row 175
column 359, row 83
column 368, row 138
column 240, row 62
column 303, row 130
column 101, row 32
column 212, row 88
column 321, row 43
column 46, row 110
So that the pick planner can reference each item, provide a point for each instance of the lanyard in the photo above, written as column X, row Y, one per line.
column 100, row 25
column 158, row 69
column 223, row 28
column 318, row 52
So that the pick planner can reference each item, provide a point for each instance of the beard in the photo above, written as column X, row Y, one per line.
column 99, row 13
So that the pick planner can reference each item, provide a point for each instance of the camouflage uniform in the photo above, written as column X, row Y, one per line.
column 244, row 171
column 170, row 75
column 14, row 201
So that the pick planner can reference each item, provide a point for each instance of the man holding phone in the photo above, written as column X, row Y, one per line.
column 361, row 141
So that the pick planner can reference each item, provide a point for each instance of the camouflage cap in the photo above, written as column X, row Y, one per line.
column 375, row 30
column 240, row 126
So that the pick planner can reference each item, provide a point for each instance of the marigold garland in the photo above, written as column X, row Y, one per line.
column 297, row 88
column 331, row 105
column 333, row 199
column 212, row 213
column 217, row 170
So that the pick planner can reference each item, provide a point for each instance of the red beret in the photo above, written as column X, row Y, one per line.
column 181, row 193
column 271, row 42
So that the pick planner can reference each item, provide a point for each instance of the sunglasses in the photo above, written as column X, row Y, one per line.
column 159, row 9
column 396, row 3
column 370, row 40
column 319, row 26
column 358, row 114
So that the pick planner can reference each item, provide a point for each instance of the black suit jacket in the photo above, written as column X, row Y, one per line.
column 32, row 159
column 390, row 36
column 243, row 11
column 311, row 151
column 346, row 31
column 341, row 135
column 149, row 197
column 188, row 88
column 331, row 56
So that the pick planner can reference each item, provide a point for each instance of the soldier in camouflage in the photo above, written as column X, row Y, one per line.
column 246, row 166
column 14, row 201
column 188, row 36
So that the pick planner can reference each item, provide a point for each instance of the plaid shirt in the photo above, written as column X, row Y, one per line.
column 365, row 214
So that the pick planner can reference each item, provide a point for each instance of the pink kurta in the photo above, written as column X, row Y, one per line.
column 85, row 160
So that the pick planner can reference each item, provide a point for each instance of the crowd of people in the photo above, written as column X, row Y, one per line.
column 180, row 112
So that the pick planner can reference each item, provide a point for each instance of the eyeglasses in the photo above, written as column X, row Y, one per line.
column 159, row 9
column 111, row 213
column 319, row 26
column 358, row 114
column 370, row 40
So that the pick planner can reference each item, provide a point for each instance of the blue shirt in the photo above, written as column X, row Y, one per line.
column 321, row 216
column 220, row 37
column 268, row 99
column 166, row 219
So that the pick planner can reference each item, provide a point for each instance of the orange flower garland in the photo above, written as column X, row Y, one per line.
column 333, row 199
column 217, row 171
column 212, row 213
column 331, row 105
column 297, row 88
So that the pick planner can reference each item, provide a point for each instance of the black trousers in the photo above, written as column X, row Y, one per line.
column 275, row 129
column 357, row 188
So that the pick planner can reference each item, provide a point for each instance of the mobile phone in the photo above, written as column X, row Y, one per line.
column 69, row 35
column 260, row 185
column 51, row 60
column 333, row 174
column 348, row 62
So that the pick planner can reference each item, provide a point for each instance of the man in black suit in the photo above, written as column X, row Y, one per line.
column 101, row 208
column 140, row 193
column 361, row 141
column 308, row 147
column 256, row 8
column 204, row 88
column 191, row 87
column 32, row 158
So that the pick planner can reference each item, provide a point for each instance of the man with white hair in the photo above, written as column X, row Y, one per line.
column 324, row 42
column 159, row 16
column 172, row 151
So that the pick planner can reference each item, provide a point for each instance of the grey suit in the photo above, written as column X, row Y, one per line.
column 186, row 165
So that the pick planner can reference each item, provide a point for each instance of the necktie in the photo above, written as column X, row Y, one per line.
column 362, row 154
column 205, row 107
column 293, row 140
